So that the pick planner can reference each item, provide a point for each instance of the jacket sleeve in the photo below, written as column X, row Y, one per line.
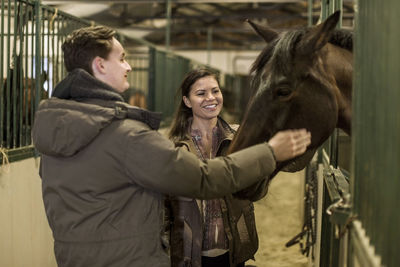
column 153, row 162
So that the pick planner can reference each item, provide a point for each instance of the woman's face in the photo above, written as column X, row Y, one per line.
column 205, row 98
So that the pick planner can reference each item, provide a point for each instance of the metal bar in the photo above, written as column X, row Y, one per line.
column 339, row 6
column 13, row 100
column 33, row 62
column 63, row 71
column 45, row 54
column 53, row 53
column 8, row 93
column 310, row 12
column 17, row 66
column 20, row 98
column 209, row 44
column 2, row 110
column 57, row 72
column 324, row 9
column 331, row 7
column 334, row 148
column 26, row 87
column 38, row 59
column 326, row 231
column 151, row 82
column 46, row 72
column 42, row 34
column 168, row 26
column 19, row 153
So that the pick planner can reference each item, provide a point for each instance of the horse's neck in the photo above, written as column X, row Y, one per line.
column 341, row 62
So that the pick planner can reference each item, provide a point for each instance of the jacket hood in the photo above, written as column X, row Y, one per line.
column 65, row 126
column 79, row 84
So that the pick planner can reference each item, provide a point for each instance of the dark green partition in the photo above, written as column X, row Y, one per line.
column 376, row 143
column 167, row 72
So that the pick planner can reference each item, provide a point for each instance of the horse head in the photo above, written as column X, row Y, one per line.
column 302, row 79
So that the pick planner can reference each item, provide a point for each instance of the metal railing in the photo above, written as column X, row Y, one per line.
column 31, row 36
column 31, row 65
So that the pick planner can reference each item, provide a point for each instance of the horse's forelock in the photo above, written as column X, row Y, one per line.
column 280, row 53
column 284, row 51
column 262, row 59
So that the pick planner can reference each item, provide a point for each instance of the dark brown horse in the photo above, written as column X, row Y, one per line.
column 302, row 79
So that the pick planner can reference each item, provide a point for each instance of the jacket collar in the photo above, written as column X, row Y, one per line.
column 79, row 84
column 123, row 110
column 226, row 131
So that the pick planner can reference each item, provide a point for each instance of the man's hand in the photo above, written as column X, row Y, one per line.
column 290, row 143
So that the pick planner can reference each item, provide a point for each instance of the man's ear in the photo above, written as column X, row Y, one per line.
column 187, row 102
column 98, row 65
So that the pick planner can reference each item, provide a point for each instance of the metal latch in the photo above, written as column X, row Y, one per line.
column 341, row 215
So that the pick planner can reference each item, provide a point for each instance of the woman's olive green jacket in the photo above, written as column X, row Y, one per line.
column 186, row 227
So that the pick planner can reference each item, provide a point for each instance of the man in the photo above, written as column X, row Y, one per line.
column 105, row 169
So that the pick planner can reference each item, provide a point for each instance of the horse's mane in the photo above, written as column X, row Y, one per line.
column 342, row 38
column 286, row 43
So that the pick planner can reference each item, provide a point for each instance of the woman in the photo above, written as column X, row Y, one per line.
column 217, row 232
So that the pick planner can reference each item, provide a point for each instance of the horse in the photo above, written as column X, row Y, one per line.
column 301, row 79
column 18, row 100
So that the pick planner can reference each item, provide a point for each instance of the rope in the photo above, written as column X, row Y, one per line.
column 53, row 18
column 5, row 166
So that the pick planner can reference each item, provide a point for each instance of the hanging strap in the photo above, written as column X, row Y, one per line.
column 5, row 165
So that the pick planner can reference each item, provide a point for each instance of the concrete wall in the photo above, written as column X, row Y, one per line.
column 25, row 236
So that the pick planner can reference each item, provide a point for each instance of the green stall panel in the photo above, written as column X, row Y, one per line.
column 236, row 94
column 138, row 78
column 376, row 126
column 166, row 74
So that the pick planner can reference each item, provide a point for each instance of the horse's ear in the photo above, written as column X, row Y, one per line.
column 319, row 35
column 266, row 33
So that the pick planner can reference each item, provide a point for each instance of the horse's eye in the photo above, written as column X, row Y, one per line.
column 283, row 91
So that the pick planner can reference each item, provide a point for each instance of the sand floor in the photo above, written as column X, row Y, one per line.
column 278, row 219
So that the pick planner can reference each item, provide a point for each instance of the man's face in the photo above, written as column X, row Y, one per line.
column 116, row 68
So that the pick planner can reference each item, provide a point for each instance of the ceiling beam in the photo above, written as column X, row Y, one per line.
column 223, row 16
column 172, row 1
